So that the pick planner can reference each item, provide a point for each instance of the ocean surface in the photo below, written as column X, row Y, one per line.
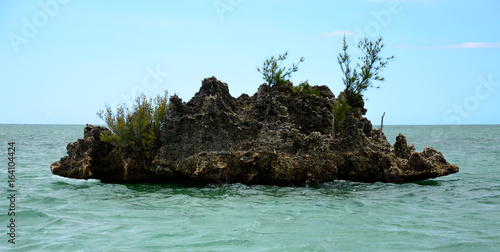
column 460, row 212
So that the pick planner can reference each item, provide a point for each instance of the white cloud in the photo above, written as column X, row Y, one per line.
column 464, row 45
column 336, row 33
column 475, row 45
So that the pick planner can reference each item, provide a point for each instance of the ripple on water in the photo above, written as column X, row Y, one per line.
column 459, row 212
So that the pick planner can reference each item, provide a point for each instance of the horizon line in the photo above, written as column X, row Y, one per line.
column 81, row 124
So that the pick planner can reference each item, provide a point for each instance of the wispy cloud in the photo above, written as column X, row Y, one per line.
column 336, row 33
column 464, row 45
column 475, row 45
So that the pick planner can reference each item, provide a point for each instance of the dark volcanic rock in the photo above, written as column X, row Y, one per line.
column 92, row 158
column 275, row 137
column 401, row 147
column 83, row 154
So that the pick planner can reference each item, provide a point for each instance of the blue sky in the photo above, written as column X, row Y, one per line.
column 62, row 61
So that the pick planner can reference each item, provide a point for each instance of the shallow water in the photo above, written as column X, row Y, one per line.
column 460, row 212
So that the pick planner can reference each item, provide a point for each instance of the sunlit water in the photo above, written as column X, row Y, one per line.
column 460, row 212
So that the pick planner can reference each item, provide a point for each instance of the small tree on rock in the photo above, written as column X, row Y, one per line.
column 357, row 80
column 138, row 128
column 276, row 75
column 360, row 78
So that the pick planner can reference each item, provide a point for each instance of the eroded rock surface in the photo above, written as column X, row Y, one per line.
column 275, row 137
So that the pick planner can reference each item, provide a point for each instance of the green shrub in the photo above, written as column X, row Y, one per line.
column 306, row 89
column 138, row 128
column 276, row 75
column 361, row 77
column 339, row 110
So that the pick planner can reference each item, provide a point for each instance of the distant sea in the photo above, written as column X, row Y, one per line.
column 460, row 212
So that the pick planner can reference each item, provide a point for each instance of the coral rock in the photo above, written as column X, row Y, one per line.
column 275, row 137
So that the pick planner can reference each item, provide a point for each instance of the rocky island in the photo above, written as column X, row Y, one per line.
column 275, row 137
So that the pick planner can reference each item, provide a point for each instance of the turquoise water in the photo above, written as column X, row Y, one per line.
column 460, row 212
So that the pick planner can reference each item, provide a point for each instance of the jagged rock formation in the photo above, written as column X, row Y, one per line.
column 275, row 137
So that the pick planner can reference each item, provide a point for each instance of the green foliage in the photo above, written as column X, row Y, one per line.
column 276, row 75
column 362, row 76
column 339, row 110
column 306, row 89
column 138, row 128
